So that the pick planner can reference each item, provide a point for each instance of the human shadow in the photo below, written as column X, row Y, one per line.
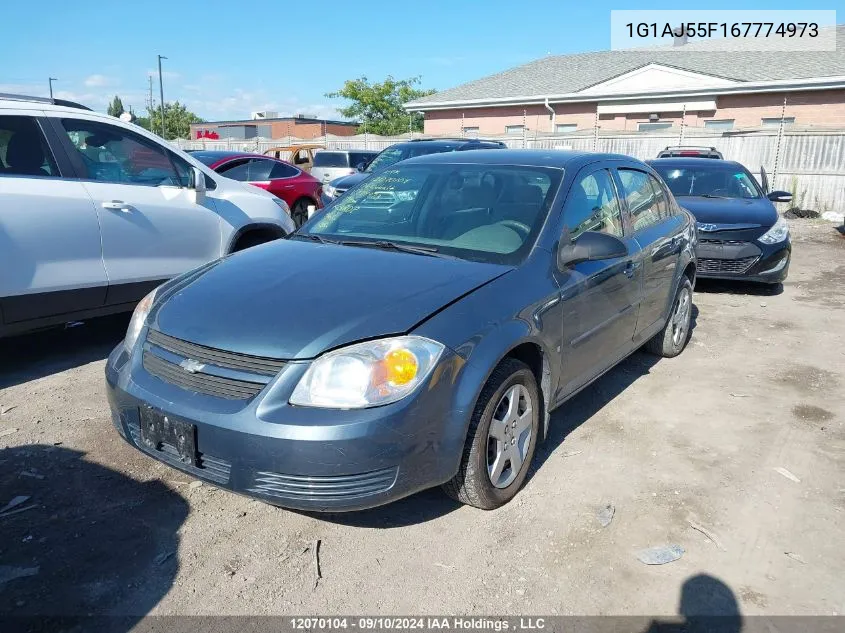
column 31, row 356
column 89, row 549
column 707, row 605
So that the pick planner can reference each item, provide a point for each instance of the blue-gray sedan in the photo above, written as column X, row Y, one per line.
column 415, row 333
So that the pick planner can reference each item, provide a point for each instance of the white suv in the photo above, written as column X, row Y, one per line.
column 95, row 212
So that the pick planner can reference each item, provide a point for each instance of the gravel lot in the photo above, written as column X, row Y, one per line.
column 742, row 435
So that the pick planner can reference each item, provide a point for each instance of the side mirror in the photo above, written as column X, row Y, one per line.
column 361, row 166
column 780, row 196
column 589, row 247
column 198, row 185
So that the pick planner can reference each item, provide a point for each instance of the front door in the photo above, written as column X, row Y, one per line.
column 599, row 298
column 658, row 232
column 152, row 227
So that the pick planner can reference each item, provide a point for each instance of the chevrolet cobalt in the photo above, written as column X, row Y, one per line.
column 417, row 332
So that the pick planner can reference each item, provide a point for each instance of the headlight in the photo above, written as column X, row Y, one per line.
column 282, row 204
column 330, row 192
column 778, row 233
column 139, row 318
column 367, row 374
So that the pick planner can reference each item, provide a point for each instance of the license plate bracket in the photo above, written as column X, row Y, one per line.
column 159, row 429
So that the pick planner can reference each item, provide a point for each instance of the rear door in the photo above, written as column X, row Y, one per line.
column 599, row 297
column 658, row 232
column 51, row 262
column 152, row 227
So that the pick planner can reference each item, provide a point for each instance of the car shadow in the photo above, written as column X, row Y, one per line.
column 89, row 548
column 706, row 605
column 738, row 287
column 38, row 354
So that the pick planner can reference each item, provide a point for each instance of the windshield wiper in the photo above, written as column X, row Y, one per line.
column 429, row 251
column 314, row 238
column 710, row 195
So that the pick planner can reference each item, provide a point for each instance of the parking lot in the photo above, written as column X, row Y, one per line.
column 734, row 451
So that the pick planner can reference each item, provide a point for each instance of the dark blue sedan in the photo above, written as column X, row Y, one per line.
column 417, row 332
column 740, row 233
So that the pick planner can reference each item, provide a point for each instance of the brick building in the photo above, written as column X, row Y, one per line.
column 272, row 128
column 700, row 83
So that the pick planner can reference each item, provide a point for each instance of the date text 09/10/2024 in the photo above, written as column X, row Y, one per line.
column 418, row 623
column 723, row 29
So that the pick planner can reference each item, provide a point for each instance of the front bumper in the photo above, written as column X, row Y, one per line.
column 746, row 261
column 299, row 457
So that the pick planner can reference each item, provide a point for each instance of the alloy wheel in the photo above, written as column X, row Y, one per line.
column 681, row 317
column 509, row 437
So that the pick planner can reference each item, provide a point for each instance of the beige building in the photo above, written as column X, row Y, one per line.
column 648, row 89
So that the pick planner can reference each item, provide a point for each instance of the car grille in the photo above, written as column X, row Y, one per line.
column 208, row 467
column 255, row 371
column 337, row 488
column 211, row 356
column 712, row 241
column 707, row 266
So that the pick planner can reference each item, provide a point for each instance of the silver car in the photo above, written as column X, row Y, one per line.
column 331, row 164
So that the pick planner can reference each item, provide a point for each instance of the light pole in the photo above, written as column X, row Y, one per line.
column 161, row 92
column 50, row 81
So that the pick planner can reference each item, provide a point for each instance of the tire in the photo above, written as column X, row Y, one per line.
column 299, row 211
column 672, row 339
column 473, row 484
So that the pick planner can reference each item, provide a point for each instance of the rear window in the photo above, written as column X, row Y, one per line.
column 331, row 159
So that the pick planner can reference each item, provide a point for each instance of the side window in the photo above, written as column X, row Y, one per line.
column 283, row 170
column 112, row 154
column 663, row 207
column 592, row 206
column 259, row 169
column 184, row 173
column 640, row 198
column 237, row 170
column 23, row 148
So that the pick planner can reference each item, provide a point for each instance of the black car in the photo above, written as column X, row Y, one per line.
column 454, row 301
column 403, row 151
column 740, row 233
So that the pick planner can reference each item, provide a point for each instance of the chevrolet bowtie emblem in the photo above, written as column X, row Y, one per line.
column 192, row 366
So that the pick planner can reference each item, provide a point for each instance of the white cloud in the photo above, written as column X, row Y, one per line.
column 99, row 81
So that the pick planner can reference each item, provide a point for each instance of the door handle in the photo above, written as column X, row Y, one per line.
column 630, row 269
column 117, row 205
column 288, row 187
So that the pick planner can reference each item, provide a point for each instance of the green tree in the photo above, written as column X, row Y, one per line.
column 116, row 107
column 378, row 106
column 177, row 119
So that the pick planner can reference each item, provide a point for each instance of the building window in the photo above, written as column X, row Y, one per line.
column 471, row 132
column 565, row 128
column 514, row 129
column 775, row 121
column 650, row 127
column 719, row 124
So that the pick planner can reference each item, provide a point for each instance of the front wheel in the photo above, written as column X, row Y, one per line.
column 501, row 440
column 672, row 339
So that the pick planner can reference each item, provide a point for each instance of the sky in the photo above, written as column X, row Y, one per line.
column 226, row 59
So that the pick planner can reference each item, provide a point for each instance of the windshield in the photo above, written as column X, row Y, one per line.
column 490, row 213
column 394, row 154
column 708, row 181
column 331, row 159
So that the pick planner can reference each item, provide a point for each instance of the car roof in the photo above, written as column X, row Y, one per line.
column 693, row 161
column 348, row 151
column 446, row 143
column 528, row 157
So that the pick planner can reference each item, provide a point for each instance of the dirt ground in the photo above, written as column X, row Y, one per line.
column 742, row 435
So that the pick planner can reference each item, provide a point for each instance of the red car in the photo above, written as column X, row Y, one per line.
column 296, row 187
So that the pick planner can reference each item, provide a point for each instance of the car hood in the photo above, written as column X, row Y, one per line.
column 347, row 182
column 731, row 211
column 294, row 300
